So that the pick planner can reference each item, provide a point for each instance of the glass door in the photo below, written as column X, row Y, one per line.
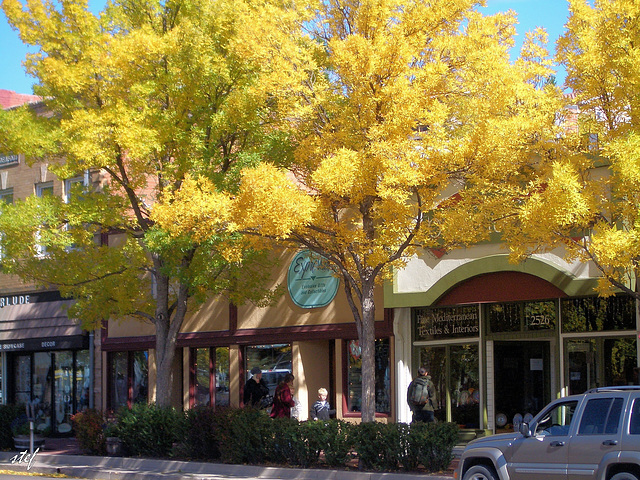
column 522, row 377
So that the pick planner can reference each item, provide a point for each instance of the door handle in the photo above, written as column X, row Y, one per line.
column 610, row 443
column 557, row 443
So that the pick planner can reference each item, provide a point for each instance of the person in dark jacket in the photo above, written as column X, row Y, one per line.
column 321, row 410
column 424, row 412
column 255, row 389
column 283, row 399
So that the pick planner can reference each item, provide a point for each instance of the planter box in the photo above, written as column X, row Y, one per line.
column 22, row 442
column 114, row 446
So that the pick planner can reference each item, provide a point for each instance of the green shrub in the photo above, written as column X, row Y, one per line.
column 244, row 435
column 88, row 427
column 201, row 437
column 8, row 414
column 433, row 443
column 337, row 442
column 149, row 430
column 294, row 443
column 377, row 445
column 314, row 434
column 409, row 451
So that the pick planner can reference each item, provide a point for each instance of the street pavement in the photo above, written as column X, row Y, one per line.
column 127, row 468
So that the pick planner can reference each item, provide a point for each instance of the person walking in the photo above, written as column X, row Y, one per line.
column 282, row 399
column 421, row 397
column 255, row 389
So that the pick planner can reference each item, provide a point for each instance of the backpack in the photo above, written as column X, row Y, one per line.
column 420, row 394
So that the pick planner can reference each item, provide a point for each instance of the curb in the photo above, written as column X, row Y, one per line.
column 127, row 468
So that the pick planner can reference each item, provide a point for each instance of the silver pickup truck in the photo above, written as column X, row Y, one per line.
column 595, row 435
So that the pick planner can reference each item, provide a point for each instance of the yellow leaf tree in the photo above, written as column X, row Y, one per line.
column 146, row 93
column 413, row 115
column 585, row 198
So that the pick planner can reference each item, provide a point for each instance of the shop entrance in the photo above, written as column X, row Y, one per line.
column 522, row 378
column 56, row 383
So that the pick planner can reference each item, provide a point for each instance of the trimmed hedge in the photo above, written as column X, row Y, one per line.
column 249, row 436
column 201, row 435
column 149, row 430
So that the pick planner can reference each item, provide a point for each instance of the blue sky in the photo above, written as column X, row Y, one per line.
column 550, row 14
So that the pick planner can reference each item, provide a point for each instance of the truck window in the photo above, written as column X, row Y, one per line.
column 601, row 416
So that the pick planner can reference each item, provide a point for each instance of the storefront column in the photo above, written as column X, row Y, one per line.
column 186, row 377
column 153, row 374
column 403, row 347
column 234, row 376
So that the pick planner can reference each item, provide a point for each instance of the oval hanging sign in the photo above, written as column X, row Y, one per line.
column 310, row 280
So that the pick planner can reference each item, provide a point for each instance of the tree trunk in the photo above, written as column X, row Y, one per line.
column 368, row 345
column 165, row 353
column 168, row 322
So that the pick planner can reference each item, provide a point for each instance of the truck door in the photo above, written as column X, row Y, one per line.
column 544, row 454
column 599, row 434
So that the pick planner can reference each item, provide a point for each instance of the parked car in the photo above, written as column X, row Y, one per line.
column 595, row 435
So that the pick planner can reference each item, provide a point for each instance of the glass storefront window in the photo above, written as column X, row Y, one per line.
column 273, row 360
column 22, row 381
column 522, row 316
column 202, row 380
column 63, row 396
column 460, row 385
column 382, row 376
column 83, row 380
column 581, row 365
column 119, row 380
column 211, row 365
column 129, row 378
column 595, row 314
column 140, row 376
column 42, row 385
column 464, row 385
column 222, row 376
column 434, row 359
column 600, row 362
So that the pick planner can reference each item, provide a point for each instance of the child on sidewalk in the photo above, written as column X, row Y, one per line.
column 321, row 410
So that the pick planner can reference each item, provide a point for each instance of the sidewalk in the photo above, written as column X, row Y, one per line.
column 62, row 456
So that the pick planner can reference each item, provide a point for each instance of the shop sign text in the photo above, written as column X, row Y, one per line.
column 9, row 160
column 14, row 300
column 446, row 323
column 311, row 281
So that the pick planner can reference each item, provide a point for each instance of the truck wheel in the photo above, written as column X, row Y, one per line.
column 481, row 472
column 624, row 476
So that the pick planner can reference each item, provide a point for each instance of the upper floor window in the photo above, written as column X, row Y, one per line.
column 44, row 189
column 71, row 186
column 6, row 195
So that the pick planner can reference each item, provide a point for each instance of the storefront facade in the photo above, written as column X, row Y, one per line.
column 309, row 332
column 502, row 340
column 46, row 359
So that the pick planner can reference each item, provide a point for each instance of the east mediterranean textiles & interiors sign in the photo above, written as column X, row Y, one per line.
column 434, row 323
